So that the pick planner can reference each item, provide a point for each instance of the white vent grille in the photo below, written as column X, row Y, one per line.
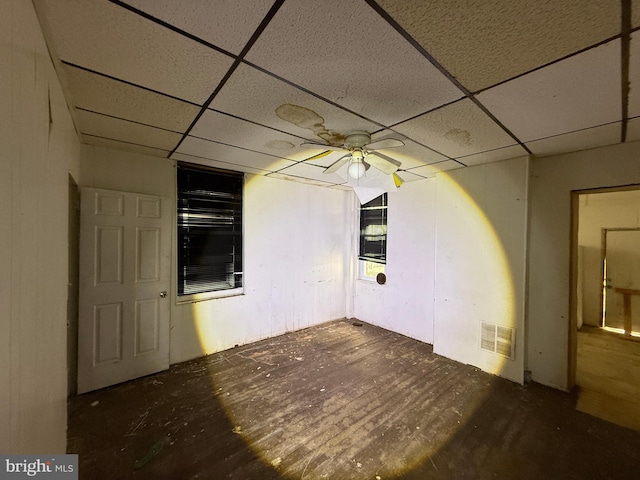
column 497, row 339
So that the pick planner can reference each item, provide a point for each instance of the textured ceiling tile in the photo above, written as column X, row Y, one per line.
column 412, row 154
column 110, row 97
column 344, row 51
column 226, row 24
column 635, row 13
column 107, row 38
column 494, row 155
column 342, row 187
column 633, row 130
column 263, row 99
column 634, row 75
column 483, row 42
column 212, row 163
column 129, row 147
column 456, row 130
column 579, row 92
column 241, row 133
column 326, row 158
column 308, row 181
column 114, row 128
column 574, row 141
column 231, row 155
column 409, row 176
column 311, row 172
column 429, row 171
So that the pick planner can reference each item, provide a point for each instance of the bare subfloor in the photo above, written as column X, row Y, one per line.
column 340, row 401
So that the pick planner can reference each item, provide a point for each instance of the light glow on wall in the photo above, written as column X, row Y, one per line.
column 474, row 283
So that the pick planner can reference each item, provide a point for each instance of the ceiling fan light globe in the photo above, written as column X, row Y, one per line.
column 356, row 170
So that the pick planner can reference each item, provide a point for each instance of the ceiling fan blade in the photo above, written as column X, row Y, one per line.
column 385, row 142
column 383, row 163
column 322, row 145
column 337, row 164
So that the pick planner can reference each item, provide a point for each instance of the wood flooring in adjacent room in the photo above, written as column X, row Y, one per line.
column 608, row 374
column 338, row 401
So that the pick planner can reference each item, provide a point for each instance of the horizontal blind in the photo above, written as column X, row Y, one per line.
column 373, row 230
column 209, row 230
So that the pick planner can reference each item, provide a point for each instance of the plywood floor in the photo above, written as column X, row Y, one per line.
column 339, row 401
column 608, row 373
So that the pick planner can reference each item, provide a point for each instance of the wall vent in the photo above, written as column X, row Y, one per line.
column 497, row 339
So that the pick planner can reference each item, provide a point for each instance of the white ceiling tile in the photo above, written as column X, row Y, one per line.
column 212, row 163
column 311, row 172
column 493, row 155
column 241, row 133
column 342, row 187
column 344, row 51
column 129, row 147
column 110, row 97
column 634, row 75
column 574, row 141
column 483, row 42
column 231, row 155
column 579, row 92
column 412, row 154
column 107, row 38
column 409, row 176
column 131, row 132
column 226, row 24
column 635, row 13
column 431, row 170
column 633, row 129
column 308, row 181
column 456, row 130
column 261, row 98
column 323, row 160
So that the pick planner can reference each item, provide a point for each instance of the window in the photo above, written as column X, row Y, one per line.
column 209, row 230
column 373, row 235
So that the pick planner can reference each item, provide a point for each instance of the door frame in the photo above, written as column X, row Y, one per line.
column 572, row 350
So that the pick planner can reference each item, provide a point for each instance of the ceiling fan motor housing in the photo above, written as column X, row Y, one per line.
column 357, row 139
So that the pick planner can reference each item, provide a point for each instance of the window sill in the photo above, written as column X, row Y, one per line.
column 203, row 297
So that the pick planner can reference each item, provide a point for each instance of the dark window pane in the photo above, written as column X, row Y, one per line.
column 209, row 230
column 373, row 230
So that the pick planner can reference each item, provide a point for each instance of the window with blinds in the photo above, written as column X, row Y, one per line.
column 209, row 230
column 373, row 230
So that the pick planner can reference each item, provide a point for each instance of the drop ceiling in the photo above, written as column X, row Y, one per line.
column 242, row 85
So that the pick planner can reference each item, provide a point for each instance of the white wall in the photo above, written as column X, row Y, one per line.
column 598, row 211
column 295, row 239
column 405, row 303
column 480, row 262
column 455, row 256
column 552, row 180
column 39, row 149
column 294, row 270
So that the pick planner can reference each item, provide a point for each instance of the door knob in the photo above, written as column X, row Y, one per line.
column 163, row 294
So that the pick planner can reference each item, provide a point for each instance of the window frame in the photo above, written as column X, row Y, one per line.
column 212, row 292
column 363, row 259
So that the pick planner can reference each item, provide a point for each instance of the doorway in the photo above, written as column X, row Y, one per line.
column 605, row 262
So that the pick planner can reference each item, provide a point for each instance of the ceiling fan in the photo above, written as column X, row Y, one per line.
column 363, row 153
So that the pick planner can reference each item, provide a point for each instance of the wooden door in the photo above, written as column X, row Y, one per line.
column 124, row 309
column 622, row 274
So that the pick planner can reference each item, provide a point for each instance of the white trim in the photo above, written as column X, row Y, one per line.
column 200, row 297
